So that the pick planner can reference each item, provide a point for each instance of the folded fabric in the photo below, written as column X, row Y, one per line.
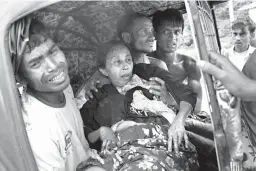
column 141, row 102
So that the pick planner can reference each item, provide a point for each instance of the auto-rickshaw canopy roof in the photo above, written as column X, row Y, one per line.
column 87, row 24
column 80, row 26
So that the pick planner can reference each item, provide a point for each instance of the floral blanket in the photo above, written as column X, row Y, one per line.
column 144, row 147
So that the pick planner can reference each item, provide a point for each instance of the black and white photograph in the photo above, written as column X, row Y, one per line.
column 128, row 85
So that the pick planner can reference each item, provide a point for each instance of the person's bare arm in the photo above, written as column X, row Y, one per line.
column 197, row 88
column 176, row 133
column 234, row 80
column 183, row 95
column 96, row 81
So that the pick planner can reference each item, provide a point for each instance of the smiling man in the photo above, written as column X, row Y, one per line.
column 136, row 30
column 242, row 32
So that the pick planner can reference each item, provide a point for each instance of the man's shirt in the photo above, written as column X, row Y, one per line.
column 55, row 133
column 238, row 59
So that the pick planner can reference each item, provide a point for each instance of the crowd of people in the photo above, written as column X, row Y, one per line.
column 137, row 111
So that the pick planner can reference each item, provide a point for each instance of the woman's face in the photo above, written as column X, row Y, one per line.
column 119, row 65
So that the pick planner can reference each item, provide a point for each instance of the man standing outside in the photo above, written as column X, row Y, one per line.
column 242, row 32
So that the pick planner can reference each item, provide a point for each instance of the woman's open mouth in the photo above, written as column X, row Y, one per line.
column 126, row 76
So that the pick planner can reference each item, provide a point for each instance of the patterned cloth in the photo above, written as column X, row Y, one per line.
column 144, row 147
column 143, row 144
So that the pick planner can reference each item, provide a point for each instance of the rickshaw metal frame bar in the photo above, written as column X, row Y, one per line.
column 222, row 150
column 216, row 28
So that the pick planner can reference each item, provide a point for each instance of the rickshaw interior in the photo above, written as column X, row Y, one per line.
column 78, row 27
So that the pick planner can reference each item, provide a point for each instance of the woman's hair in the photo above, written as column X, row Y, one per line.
column 169, row 15
column 104, row 49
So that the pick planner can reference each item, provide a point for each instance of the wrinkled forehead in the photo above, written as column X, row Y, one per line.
column 40, row 50
column 117, row 51
column 41, row 44
column 141, row 23
column 36, row 40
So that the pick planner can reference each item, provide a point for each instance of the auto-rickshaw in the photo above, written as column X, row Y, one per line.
column 99, row 18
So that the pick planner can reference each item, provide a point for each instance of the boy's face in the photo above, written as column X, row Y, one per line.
column 167, row 36
column 143, row 35
column 119, row 66
column 45, row 68
column 241, row 38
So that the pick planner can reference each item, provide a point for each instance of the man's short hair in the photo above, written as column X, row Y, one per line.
column 126, row 22
column 242, row 23
column 104, row 49
column 169, row 15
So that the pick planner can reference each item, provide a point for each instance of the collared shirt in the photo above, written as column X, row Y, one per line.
column 238, row 59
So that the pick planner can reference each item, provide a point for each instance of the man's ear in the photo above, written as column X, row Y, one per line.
column 20, row 79
column 252, row 35
column 103, row 71
column 127, row 38
column 154, row 32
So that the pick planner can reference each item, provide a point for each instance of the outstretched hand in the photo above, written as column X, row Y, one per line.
column 222, row 69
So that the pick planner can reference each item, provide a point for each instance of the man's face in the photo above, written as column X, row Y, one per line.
column 167, row 36
column 45, row 68
column 119, row 65
column 241, row 38
column 143, row 35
